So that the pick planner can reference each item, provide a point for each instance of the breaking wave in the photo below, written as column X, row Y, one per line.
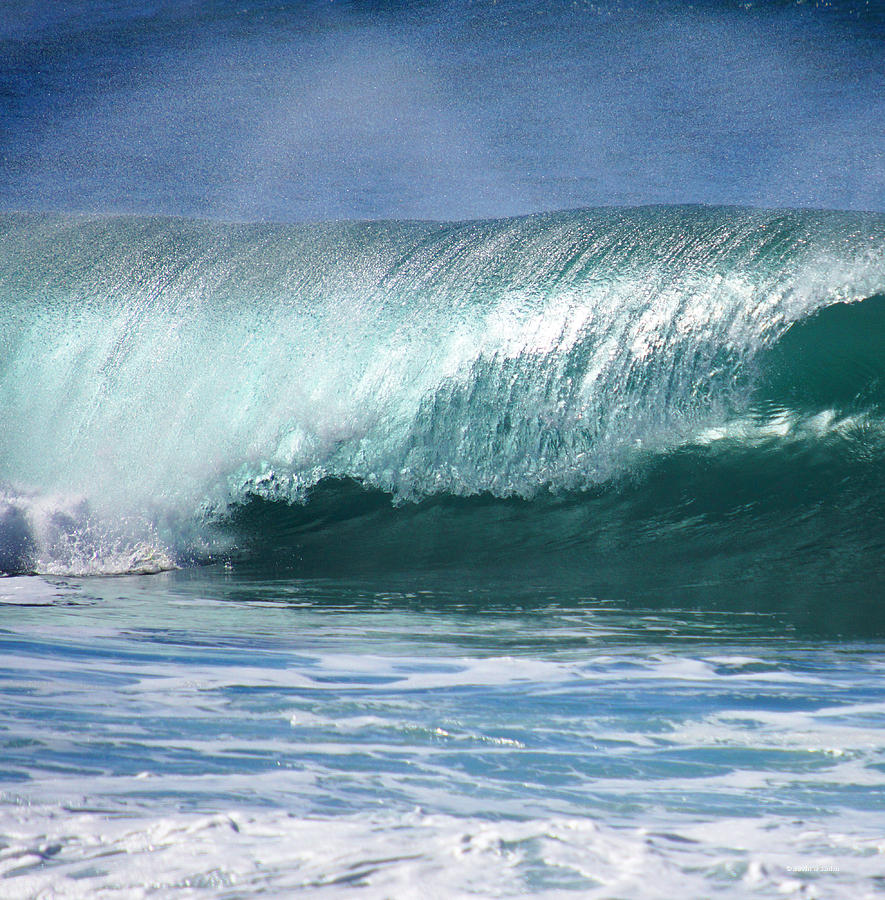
column 638, row 400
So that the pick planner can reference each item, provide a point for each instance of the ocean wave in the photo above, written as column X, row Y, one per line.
column 678, row 389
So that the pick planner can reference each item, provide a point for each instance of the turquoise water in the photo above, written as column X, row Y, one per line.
column 697, row 387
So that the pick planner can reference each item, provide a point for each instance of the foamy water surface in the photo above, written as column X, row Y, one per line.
column 202, row 735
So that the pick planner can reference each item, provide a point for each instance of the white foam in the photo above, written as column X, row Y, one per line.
column 51, row 852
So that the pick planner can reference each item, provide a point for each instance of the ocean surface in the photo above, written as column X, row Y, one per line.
column 442, row 450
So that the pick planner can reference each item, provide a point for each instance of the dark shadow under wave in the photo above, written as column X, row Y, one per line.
column 672, row 540
column 675, row 538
